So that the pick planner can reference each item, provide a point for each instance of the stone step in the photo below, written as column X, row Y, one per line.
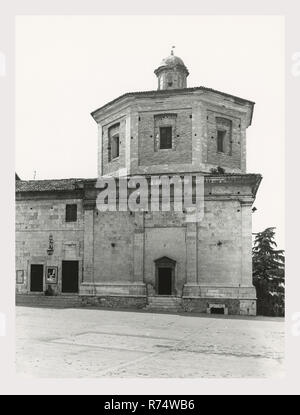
column 164, row 305
column 47, row 298
column 62, row 301
column 164, row 299
column 161, row 303
column 164, row 302
column 170, row 309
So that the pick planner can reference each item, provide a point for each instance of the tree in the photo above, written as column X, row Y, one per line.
column 268, row 274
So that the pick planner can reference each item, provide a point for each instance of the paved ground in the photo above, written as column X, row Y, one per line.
column 104, row 343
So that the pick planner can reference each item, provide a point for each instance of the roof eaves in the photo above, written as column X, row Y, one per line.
column 171, row 91
column 50, row 185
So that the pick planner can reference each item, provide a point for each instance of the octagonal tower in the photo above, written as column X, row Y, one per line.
column 173, row 129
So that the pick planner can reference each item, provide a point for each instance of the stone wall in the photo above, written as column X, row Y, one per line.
column 114, row 301
column 117, row 250
column 232, row 155
column 36, row 219
column 118, row 163
column 165, row 236
column 181, row 151
column 233, row 306
column 201, row 305
column 220, row 243
column 113, row 246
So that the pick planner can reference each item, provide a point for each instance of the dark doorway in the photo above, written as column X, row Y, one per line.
column 217, row 310
column 36, row 278
column 164, row 281
column 69, row 277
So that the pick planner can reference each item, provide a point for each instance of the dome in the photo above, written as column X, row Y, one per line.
column 172, row 60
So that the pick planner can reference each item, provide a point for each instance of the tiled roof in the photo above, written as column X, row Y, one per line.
column 49, row 185
column 60, row 185
column 171, row 91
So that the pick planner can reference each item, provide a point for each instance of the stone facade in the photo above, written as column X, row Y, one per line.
column 39, row 214
column 117, row 251
column 120, row 258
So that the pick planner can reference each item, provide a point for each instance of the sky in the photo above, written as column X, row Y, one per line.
column 68, row 66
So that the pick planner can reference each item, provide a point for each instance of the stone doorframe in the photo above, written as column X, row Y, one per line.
column 165, row 262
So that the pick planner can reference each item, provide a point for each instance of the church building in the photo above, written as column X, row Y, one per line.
column 71, row 253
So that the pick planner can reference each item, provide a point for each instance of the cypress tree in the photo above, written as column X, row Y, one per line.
column 268, row 274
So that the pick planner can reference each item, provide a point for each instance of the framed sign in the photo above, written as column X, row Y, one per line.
column 20, row 276
column 51, row 275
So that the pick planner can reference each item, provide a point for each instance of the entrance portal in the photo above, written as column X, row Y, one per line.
column 36, row 278
column 69, row 277
column 164, row 281
column 165, row 276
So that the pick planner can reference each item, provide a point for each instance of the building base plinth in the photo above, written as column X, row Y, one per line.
column 211, row 305
column 112, row 289
column 212, row 299
column 117, row 302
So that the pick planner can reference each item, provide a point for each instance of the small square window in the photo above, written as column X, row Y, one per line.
column 71, row 213
column 220, row 141
column 165, row 136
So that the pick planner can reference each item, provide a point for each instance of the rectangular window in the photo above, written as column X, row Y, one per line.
column 220, row 141
column 165, row 137
column 115, row 146
column 71, row 213
column 113, row 141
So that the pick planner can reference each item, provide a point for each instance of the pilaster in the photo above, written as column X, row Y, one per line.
column 88, row 248
column 100, row 150
column 246, row 239
column 138, row 248
column 191, row 253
